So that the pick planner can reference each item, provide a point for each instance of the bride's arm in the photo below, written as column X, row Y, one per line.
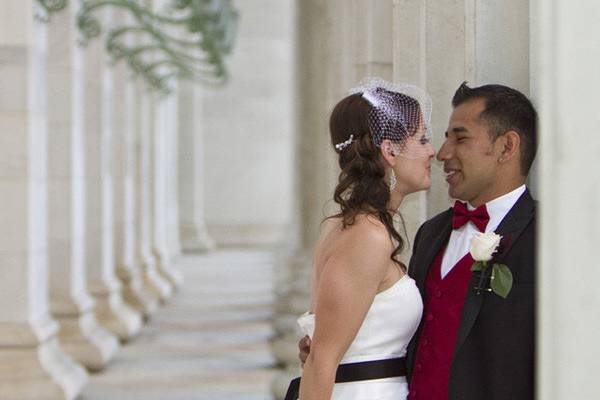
column 345, row 290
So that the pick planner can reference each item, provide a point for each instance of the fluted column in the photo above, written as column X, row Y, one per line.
column 440, row 44
column 70, row 302
column 194, row 236
column 445, row 33
column 129, row 268
column 112, row 312
column 373, row 38
column 32, row 365
column 159, row 286
column 409, row 66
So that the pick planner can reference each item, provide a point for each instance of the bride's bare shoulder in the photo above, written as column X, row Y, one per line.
column 367, row 230
column 363, row 224
column 366, row 234
column 364, row 247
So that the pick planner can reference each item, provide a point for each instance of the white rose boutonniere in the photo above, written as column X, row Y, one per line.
column 483, row 247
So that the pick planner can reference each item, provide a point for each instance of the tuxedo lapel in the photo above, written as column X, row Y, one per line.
column 517, row 219
column 435, row 237
column 513, row 224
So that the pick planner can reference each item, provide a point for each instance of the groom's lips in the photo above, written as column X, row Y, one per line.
column 451, row 174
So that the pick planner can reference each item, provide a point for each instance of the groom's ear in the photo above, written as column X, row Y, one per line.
column 510, row 145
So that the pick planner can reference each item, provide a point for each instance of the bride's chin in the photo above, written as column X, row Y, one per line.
column 426, row 185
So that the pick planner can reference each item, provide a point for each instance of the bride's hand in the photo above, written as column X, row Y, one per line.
column 304, row 349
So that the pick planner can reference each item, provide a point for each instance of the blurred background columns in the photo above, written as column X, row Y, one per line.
column 127, row 207
column 192, row 167
column 70, row 302
column 29, row 349
column 112, row 312
column 158, row 285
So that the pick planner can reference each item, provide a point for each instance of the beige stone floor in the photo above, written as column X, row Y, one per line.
column 208, row 343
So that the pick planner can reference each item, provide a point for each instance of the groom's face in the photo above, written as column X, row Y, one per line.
column 469, row 155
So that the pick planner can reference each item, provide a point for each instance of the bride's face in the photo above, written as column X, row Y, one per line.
column 413, row 165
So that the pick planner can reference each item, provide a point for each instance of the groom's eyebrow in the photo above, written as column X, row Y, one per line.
column 457, row 129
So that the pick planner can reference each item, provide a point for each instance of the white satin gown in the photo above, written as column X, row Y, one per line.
column 385, row 333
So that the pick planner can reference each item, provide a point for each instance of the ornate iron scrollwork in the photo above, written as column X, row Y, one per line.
column 189, row 39
column 48, row 7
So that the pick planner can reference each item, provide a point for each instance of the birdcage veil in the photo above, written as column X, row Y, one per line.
column 400, row 112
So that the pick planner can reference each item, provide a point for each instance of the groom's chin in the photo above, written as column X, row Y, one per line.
column 454, row 193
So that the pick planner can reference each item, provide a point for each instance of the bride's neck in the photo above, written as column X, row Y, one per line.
column 395, row 200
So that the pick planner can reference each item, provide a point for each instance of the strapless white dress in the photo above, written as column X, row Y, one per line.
column 385, row 333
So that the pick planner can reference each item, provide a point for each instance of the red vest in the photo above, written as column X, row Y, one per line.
column 444, row 300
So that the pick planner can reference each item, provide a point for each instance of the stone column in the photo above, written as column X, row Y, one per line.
column 163, row 129
column 566, row 50
column 172, row 176
column 126, row 207
column 99, row 120
column 194, row 236
column 160, row 287
column 81, row 336
column 32, row 365
column 325, row 76
column 160, row 173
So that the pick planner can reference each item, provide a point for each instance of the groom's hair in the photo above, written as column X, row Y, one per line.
column 505, row 109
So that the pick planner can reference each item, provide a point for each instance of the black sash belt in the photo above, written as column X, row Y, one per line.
column 360, row 371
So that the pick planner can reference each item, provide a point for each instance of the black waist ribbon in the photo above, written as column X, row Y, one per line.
column 360, row 371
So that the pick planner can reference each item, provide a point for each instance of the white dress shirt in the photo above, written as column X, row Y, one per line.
column 460, row 239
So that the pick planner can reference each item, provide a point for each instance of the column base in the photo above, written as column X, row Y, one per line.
column 134, row 294
column 40, row 371
column 86, row 341
column 159, row 287
column 196, row 239
column 112, row 313
column 168, row 271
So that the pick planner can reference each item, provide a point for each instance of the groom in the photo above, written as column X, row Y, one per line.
column 472, row 343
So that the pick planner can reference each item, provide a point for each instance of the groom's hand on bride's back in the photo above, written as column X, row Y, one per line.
column 304, row 349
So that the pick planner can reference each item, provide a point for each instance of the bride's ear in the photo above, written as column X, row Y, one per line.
column 388, row 151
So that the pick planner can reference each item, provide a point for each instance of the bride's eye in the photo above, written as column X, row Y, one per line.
column 424, row 140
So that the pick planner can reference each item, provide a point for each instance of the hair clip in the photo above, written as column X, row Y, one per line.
column 343, row 145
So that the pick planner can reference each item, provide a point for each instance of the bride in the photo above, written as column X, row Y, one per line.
column 365, row 308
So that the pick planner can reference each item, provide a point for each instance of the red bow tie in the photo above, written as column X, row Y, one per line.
column 479, row 216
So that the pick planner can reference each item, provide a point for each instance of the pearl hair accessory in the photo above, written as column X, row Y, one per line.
column 343, row 145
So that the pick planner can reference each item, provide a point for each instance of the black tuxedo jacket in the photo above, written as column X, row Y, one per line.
column 494, row 354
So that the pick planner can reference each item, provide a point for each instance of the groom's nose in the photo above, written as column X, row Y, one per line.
column 444, row 151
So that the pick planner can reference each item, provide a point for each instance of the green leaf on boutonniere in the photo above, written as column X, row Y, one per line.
column 478, row 266
column 502, row 280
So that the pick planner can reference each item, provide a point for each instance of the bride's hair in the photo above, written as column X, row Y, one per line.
column 361, row 185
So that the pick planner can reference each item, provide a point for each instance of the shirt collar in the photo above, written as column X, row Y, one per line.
column 500, row 206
